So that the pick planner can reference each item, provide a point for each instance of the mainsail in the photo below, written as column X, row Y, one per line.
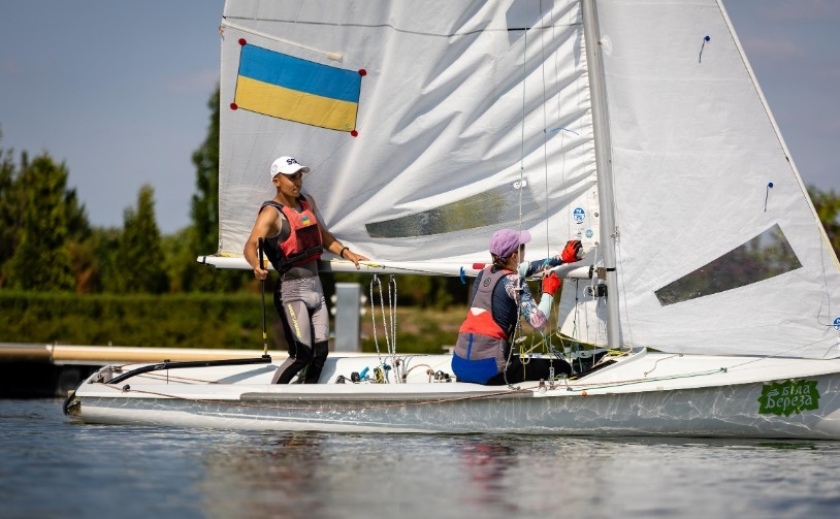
column 471, row 116
column 428, row 125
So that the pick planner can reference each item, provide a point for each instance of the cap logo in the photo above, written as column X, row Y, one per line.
column 291, row 161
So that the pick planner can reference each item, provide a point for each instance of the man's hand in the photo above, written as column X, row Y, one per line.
column 260, row 273
column 355, row 258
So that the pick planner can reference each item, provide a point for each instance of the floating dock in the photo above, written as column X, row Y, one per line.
column 51, row 370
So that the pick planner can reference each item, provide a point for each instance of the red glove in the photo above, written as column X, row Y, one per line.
column 572, row 252
column 550, row 284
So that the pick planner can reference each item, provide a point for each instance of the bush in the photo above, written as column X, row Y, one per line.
column 196, row 320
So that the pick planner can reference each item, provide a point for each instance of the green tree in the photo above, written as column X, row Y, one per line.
column 827, row 205
column 141, row 261
column 203, row 238
column 78, row 226
column 180, row 259
column 94, row 261
column 15, row 205
column 83, row 262
column 10, row 213
column 205, row 203
column 42, row 258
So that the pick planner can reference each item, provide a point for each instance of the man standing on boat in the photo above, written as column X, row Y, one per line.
column 293, row 238
column 500, row 296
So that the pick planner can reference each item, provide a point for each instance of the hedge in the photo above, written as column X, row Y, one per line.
column 195, row 320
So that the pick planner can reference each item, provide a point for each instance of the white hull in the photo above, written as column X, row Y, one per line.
column 643, row 394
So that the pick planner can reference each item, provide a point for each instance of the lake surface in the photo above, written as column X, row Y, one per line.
column 54, row 468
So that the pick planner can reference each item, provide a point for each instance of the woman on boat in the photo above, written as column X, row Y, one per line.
column 483, row 353
column 293, row 237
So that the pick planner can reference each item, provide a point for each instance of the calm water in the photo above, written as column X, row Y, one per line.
column 53, row 468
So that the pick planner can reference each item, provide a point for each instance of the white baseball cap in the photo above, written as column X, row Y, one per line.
column 287, row 166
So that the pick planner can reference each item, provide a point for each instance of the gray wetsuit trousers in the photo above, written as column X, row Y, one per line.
column 303, row 311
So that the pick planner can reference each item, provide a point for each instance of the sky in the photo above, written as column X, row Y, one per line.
column 118, row 91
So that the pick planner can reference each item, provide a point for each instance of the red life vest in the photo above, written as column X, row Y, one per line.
column 304, row 243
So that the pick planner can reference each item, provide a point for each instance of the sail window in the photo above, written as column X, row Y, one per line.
column 767, row 255
column 496, row 206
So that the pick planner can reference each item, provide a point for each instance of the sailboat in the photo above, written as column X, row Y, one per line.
column 708, row 285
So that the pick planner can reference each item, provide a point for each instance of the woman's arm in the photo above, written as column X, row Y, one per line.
column 529, row 310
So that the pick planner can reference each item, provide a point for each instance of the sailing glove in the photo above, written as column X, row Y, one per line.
column 550, row 284
column 573, row 251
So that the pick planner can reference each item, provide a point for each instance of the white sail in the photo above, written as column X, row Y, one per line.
column 720, row 250
column 463, row 117
column 472, row 116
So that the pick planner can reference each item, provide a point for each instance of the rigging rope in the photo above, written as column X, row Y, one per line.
column 516, row 336
column 389, row 322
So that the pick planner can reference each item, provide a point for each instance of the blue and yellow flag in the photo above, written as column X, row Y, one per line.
column 297, row 90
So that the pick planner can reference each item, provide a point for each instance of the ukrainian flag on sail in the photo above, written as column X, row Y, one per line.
column 297, row 90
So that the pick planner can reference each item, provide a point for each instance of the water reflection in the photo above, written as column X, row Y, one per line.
column 306, row 475
column 309, row 475
column 52, row 468
column 486, row 463
column 276, row 476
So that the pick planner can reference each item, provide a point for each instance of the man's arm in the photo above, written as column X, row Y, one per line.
column 331, row 244
column 265, row 224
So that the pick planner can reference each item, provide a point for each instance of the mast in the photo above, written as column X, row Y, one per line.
column 603, row 164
